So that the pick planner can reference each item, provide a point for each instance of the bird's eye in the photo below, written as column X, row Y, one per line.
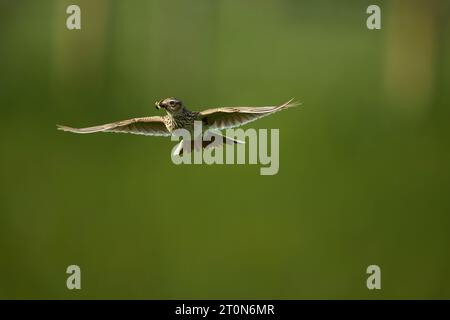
column 171, row 103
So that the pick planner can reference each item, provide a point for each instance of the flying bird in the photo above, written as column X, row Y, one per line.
column 179, row 117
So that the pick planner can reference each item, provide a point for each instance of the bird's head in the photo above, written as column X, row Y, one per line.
column 171, row 105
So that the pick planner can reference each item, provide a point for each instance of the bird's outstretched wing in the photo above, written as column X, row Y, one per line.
column 229, row 117
column 149, row 126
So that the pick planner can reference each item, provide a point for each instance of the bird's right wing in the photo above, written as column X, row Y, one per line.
column 230, row 117
column 149, row 126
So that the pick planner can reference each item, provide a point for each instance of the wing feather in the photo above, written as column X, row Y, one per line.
column 230, row 117
column 149, row 126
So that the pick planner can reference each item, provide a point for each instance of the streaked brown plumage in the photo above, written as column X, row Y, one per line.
column 179, row 117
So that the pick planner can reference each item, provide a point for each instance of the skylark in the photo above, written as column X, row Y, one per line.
column 179, row 117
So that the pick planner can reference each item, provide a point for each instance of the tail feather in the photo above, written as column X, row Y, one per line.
column 217, row 140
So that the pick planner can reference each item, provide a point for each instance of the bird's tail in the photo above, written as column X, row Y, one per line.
column 214, row 140
column 218, row 140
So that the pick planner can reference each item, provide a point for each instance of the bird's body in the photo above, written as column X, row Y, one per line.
column 183, row 120
column 179, row 117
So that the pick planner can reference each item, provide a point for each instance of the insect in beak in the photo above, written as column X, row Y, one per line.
column 158, row 104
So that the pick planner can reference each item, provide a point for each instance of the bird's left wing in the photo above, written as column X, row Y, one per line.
column 229, row 117
column 149, row 126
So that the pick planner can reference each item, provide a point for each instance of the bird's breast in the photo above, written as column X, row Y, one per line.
column 181, row 121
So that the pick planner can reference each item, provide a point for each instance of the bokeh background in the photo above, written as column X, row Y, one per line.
column 364, row 164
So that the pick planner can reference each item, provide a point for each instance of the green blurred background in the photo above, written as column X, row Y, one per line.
column 364, row 164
